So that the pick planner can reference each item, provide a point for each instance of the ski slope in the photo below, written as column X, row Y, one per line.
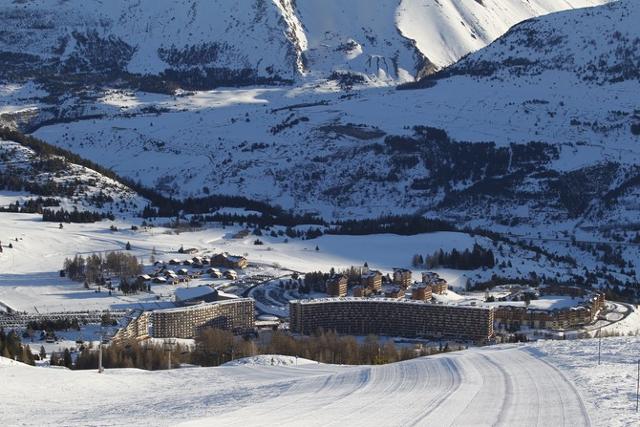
column 526, row 385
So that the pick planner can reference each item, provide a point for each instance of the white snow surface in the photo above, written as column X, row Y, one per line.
column 29, row 278
column 446, row 30
column 548, row 383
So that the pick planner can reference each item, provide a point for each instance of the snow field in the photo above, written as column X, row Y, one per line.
column 524, row 385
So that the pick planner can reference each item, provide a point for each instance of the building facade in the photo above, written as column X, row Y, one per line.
column 586, row 310
column 372, row 280
column 236, row 315
column 402, row 277
column 391, row 317
column 438, row 284
column 421, row 293
column 337, row 286
column 136, row 328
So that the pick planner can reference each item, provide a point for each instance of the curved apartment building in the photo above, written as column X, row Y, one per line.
column 383, row 316
column 184, row 322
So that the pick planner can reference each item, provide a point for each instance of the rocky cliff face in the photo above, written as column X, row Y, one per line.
column 195, row 44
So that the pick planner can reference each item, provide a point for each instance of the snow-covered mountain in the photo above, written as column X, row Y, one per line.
column 195, row 43
column 544, row 119
column 535, row 134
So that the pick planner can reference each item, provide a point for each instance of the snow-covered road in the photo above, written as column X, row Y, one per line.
column 505, row 385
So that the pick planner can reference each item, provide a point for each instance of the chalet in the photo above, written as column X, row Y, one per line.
column 402, row 277
column 159, row 280
column 229, row 261
column 174, row 261
column 421, row 292
column 183, row 272
column 231, row 275
column 187, row 262
column 437, row 283
column 395, row 292
column 361, row 292
column 215, row 273
column 144, row 277
column 337, row 285
column 372, row 280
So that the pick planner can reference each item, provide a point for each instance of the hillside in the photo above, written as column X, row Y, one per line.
column 32, row 182
column 522, row 134
column 544, row 383
column 203, row 44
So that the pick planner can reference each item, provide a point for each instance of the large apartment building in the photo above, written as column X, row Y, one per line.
column 392, row 317
column 236, row 315
column 585, row 310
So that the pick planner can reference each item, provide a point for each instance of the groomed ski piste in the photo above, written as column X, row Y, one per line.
column 555, row 383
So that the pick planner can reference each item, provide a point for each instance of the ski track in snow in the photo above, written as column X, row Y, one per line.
column 504, row 385
column 488, row 387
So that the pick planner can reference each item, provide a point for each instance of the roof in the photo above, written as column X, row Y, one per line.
column 202, row 305
column 183, row 294
column 383, row 300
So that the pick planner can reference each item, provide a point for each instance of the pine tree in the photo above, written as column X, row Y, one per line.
column 66, row 358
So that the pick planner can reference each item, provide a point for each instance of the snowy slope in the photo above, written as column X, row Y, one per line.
column 315, row 147
column 446, row 30
column 200, row 43
column 80, row 187
column 540, row 384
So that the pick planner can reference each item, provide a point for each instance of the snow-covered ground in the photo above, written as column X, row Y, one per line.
column 29, row 273
column 548, row 383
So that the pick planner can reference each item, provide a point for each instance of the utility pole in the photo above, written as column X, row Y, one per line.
column 168, row 347
column 100, row 368
column 599, row 344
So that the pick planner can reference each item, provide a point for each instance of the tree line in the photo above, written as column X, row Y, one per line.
column 214, row 347
column 31, row 205
column 478, row 257
column 61, row 215
column 11, row 347
column 94, row 268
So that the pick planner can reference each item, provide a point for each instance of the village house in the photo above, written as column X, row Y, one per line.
column 215, row 273
column 421, row 292
column 402, row 277
column 361, row 292
column 371, row 280
column 394, row 292
column 229, row 261
column 231, row 275
column 438, row 284
column 336, row 286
